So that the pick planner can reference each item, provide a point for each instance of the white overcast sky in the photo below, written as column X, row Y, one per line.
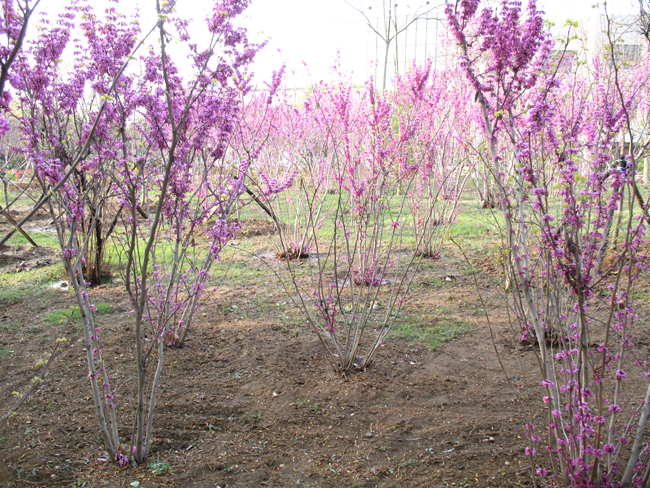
column 312, row 32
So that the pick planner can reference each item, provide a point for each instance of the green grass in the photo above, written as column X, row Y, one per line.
column 236, row 271
column 433, row 329
column 27, row 291
column 45, row 274
column 62, row 315
column 475, row 226
column 40, row 238
column 29, row 285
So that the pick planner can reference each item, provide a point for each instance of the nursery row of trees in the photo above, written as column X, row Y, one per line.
column 127, row 153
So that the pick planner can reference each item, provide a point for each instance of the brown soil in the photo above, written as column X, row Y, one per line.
column 15, row 259
column 250, row 400
column 256, row 227
column 292, row 254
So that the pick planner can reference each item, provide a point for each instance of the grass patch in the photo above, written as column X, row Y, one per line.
column 476, row 227
column 28, row 291
column 60, row 316
column 45, row 274
column 433, row 329
column 44, row 239
column 30, row 285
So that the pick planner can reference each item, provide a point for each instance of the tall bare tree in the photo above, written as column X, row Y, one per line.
column 392, row 25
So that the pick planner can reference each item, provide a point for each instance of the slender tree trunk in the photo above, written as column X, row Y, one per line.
column 638, row 442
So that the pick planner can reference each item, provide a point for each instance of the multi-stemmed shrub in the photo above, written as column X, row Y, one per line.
column 148, row 153
column 560, row 174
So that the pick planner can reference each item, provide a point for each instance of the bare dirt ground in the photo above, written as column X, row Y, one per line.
column 251, row 401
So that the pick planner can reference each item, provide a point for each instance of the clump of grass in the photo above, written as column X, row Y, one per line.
column 61, row 315
column 29, row 285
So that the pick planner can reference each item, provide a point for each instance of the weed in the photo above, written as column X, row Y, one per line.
column 30, row 278
column 60, row 316
column 254, row 417
column 432, row 282
column 159, row 467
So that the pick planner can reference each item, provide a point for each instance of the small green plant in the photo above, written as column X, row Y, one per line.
column 159, row 467
column 60, row 316
column 254, row 417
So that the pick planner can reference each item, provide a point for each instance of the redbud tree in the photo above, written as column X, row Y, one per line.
column 15, row 18
column 360, row 158
column 551, row 135
column 147, row 152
